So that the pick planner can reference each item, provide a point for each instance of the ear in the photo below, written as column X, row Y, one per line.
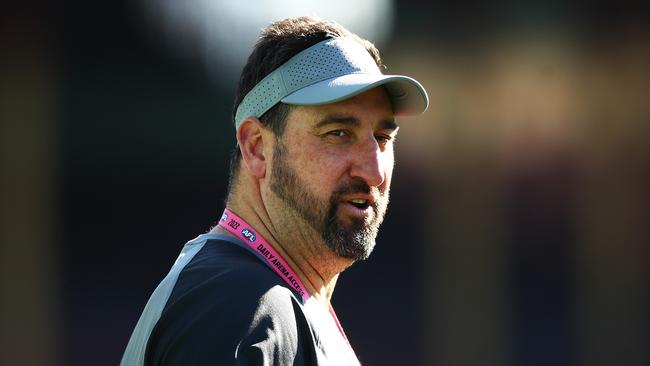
column 251, row 137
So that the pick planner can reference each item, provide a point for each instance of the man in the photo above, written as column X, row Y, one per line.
column 309, row 188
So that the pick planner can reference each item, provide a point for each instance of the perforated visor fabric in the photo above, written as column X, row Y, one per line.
column 329, row 71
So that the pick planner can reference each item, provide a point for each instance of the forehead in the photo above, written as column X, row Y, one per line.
column 371, row 108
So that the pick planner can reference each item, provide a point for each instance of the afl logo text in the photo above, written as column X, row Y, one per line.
column 224, row 217
column 248, row 234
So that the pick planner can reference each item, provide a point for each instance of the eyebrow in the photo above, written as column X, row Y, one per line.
column 387, row 124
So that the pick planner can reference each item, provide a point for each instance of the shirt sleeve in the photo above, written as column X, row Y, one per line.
column 278, row 335
column 258, row 326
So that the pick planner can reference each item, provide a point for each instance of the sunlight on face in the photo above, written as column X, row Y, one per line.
column 337, row 178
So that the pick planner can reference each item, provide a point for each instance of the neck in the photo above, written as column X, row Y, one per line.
column 316, row 266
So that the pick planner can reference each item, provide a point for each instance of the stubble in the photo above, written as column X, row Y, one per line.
column 354, row 240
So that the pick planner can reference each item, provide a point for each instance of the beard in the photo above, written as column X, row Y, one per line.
column 354, row 240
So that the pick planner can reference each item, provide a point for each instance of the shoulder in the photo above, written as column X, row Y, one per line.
column 227, row 305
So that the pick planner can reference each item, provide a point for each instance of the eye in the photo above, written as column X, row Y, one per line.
column 383, row 139
column 337, row 136
column 337, row 133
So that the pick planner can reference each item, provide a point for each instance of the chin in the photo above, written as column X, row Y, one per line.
column 351, row 243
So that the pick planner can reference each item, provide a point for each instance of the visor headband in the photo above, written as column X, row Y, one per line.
column 328, row 59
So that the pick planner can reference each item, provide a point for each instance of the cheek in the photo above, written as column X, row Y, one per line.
column 318, row 167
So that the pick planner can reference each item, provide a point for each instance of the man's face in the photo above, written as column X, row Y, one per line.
column 332, row 169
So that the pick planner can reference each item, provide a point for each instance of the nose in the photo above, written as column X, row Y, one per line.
column 370, row 163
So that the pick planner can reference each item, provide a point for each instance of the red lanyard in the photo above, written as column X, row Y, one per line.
column 238, row 227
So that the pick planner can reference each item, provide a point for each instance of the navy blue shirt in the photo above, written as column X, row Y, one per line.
column 221, row 305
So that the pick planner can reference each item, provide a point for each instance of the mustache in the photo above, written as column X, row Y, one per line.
column 356, row 186
column 352, row 187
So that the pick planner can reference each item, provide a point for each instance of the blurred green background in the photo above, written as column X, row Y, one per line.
column 518, row 230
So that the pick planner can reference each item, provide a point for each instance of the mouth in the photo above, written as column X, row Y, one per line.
column 359, row 203
column 359, row 207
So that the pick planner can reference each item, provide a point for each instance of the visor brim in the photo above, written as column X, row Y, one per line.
column 407, row 96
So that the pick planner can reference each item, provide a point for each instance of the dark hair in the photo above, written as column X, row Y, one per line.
column 276, row 44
